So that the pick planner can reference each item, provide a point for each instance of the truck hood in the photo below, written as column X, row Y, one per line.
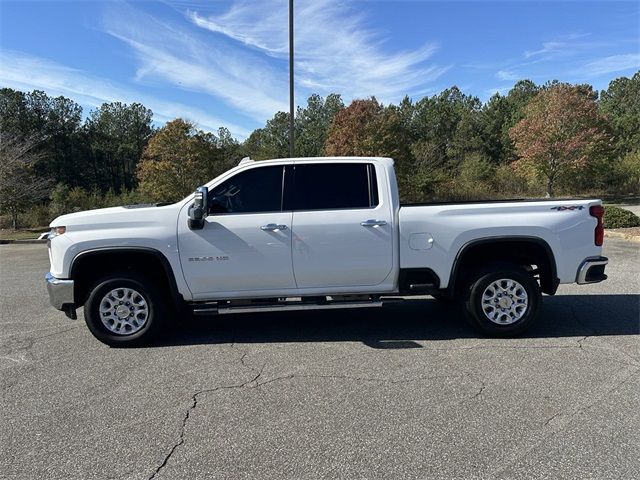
column 113, row 216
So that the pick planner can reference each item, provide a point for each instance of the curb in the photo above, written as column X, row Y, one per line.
column 6, row 242
column 625, row 236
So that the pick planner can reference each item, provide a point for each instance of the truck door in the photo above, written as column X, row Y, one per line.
column 245, row 244
column 342, row 232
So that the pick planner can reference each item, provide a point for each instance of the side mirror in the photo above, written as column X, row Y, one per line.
column 200, row 209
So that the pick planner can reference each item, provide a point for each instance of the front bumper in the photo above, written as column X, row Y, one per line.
column 60, row 292
column 591, row 270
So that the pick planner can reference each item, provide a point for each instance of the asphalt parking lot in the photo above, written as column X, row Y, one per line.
column 406, row 392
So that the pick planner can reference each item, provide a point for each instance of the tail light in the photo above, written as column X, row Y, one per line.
column 598, row 212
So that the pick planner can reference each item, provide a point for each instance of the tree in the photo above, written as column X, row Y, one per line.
column 501, row 113
column 562, row 131
column 179, row 158
column 620, row 103
column 117, row 135
column 272, row 141
column 449, row 123
column 54, row 124
column 312, row 124
column 20, row 188
column 349, row 131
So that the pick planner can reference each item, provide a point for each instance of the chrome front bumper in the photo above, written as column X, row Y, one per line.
column 592, row 270
column 60, row 291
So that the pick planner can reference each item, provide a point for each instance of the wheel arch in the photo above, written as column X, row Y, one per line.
column 520, row 249
column 89, row 265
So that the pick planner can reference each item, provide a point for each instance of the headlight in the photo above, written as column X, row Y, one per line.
column 55, row 231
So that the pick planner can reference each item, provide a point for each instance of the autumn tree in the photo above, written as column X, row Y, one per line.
column 179, row 158
column 561, row 132
column 349, row 133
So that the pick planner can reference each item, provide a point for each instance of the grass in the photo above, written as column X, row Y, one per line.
column 22, row 234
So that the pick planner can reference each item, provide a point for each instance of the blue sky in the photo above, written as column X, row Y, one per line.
column 224, row 63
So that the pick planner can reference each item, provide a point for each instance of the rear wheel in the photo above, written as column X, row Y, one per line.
column 124, row 310
column 502, row 300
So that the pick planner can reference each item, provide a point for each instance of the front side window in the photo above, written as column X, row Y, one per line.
column 252, row 191
column 332, row 186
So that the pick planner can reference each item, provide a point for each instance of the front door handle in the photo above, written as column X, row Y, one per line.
column 272, row 227
column 373, row 223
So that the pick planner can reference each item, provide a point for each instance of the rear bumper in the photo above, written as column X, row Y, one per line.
column 60, row 292
column 591, row 270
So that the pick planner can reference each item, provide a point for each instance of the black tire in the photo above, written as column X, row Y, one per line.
column 152, row 321
column 513, row 319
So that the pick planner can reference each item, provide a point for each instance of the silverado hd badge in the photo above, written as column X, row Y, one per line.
column 209, row 259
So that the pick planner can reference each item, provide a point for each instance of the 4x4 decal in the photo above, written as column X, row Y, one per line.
column 565, row 207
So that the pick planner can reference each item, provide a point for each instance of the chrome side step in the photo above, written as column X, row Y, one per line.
column 300, row 306
column 285, row 307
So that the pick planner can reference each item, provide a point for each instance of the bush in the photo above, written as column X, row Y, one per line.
column 476, row 168
column 628, row 173
column 616, row 217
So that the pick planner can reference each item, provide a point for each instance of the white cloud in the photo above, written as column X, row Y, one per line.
column 564, row 46
column 501, row 90
column 168, row 53
column 26, row 72
column 507, row 75
column 334, row 50
column 612, row 64
column 547, row 48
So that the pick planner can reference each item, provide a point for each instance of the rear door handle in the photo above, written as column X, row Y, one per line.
column 272, row 227
column 373, row 223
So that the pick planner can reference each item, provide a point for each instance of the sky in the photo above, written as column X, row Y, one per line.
column 225, row 62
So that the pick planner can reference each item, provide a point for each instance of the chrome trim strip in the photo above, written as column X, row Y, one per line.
column 60, row 291
column 581, row 277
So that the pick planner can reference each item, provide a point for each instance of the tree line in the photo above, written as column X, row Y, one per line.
column 535, row 140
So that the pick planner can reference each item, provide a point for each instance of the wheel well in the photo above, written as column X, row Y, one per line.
column 531, row 253
column 87, row 268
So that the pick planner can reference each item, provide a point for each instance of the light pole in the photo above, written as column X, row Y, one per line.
column 291, row 101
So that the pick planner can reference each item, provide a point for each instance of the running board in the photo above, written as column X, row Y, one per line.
column 284, row 308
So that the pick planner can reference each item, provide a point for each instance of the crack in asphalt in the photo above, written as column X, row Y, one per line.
column 593, row 333
column 192, row 407
column 254, row 383
column 600, row 398
column 482, row 388
column 518, row 453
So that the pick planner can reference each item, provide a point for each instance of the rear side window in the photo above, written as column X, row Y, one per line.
column 332, row 186
column 252, row 191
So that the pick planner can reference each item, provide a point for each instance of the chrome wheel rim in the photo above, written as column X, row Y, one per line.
column 505, row 301
column 124, row 311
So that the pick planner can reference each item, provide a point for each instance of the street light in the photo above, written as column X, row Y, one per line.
column 291, row 102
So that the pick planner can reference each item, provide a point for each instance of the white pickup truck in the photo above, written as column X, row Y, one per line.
column 316, row 233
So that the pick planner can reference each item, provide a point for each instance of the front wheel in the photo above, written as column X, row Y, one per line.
column 124, row 310
column 503, row 300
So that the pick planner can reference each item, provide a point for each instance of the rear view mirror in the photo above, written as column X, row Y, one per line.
column 200, row 208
